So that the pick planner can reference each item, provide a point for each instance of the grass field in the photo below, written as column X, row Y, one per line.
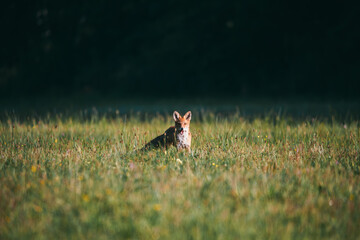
column 261, row 178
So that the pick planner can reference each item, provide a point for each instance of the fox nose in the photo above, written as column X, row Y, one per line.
column 181, row 129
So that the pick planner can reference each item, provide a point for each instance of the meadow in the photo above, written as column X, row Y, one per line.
column 264, row 177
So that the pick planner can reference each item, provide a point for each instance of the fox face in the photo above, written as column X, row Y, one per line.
column 182, row 124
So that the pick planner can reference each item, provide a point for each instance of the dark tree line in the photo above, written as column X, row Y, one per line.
column 169, row 48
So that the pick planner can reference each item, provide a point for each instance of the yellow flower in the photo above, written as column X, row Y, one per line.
column 55, row 140
column 42, row 181
column 33, row 168
column 81, row 178
column 85, row 198
column 161, row 167
column 217, row 165
column 213, row 164
column 351, row 197
column 108, row 191
column 157, row 207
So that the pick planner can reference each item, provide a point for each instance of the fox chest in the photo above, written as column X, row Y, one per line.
column 183, row 140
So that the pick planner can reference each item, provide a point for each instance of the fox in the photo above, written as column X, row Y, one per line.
column 178, row 135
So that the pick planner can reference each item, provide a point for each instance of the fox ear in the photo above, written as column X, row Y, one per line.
column 176, row 116
column 187, row 116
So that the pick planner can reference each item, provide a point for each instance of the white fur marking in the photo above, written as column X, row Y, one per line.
column 182, row 139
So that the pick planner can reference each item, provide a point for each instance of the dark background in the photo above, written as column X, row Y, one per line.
column 168, row 48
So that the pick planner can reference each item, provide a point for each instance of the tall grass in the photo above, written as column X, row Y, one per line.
column 265, row 178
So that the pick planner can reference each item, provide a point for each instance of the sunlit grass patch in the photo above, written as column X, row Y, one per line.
column 262, row 178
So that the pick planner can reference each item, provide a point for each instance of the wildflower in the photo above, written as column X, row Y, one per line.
column 213, row 164
column 33, row 168
column 108, row 191
column 157, row 207
column 42, row 181
column 163, row 167
column 81, row 178
column 55, row 140
column 258, row 136
column 179, row 161
column 217, row 165
column 351, row 197
column 85, row 198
